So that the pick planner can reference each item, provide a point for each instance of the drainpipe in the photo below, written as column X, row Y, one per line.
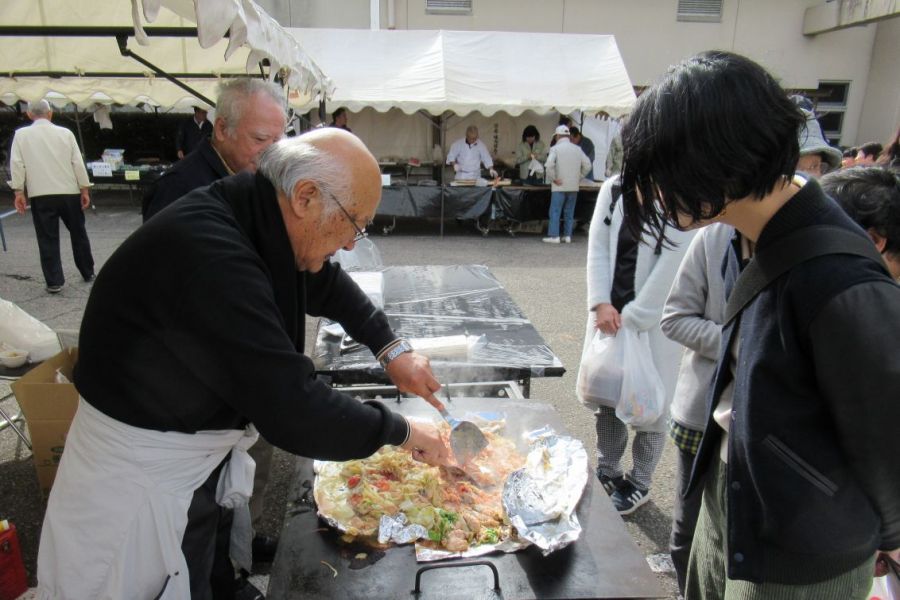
column 392, row 13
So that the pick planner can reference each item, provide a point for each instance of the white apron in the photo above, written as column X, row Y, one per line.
column 118, row 508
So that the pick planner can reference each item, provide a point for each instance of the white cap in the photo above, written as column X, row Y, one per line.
column 562, row 130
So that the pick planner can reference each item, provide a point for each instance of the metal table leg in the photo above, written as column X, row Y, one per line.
column 8, row 421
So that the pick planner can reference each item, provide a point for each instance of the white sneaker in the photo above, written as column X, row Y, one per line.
column 550, row 240
column 567, row 240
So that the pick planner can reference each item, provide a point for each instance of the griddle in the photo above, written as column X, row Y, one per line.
column 603, row 563
column 435, row 301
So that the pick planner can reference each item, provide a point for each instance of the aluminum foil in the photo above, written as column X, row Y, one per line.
column 540, row 499
column 396, row 529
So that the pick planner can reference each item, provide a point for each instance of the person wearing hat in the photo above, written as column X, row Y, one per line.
column 817, row 157
column 566, row 165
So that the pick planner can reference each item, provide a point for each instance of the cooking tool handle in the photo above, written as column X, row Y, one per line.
column 453, row 565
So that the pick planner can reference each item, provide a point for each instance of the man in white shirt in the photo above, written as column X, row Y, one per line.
column 46, row 165
column 467, row 155
column 565, row 167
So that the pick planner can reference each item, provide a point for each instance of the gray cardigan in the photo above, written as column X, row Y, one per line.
column 692, row 317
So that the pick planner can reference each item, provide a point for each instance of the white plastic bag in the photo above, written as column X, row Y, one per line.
column 643, row 397
column 600, row 375
column 21, row 331
column 535, row 167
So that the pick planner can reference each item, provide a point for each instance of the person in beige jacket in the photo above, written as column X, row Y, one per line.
column 46, row 167
column 566, row 165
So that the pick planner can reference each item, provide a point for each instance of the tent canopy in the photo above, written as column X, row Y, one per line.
column 90, row 68
column 466, row 71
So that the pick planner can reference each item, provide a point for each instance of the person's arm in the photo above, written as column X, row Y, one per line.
column 854, row 345
column 540, row 150
column 590, row 151
column 81, row 175
column 167, row 189
column 17, row 167
column 683, row 318
column 179, row 140
column 523, row 154
column 453, row 154
column 585, row 165
column 550, row 166
column 645, row 311
column 230, row 334
column 485, row 156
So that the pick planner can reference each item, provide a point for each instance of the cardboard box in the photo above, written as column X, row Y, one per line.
column 49, row 408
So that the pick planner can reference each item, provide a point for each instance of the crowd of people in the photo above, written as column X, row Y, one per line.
column 759, row 264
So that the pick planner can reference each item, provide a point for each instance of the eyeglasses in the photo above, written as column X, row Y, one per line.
column 360, row 233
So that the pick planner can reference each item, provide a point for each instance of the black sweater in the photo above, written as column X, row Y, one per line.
column 813, row 482
column 199, row 168
column 196, row 322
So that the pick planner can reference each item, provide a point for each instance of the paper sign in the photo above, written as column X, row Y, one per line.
column 386, row 180
column 132, row 175
column 101, row 169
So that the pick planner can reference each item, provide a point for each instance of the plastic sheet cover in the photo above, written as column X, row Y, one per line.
column 424, row 302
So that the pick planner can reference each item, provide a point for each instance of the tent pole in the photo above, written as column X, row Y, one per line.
column 441, row 166
column 78, row 129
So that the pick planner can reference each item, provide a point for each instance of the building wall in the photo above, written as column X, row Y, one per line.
column 880, row 117
column 650, row 38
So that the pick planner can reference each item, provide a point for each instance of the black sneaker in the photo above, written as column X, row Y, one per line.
column 54, row 289
column 610, row 484
column 628, row 498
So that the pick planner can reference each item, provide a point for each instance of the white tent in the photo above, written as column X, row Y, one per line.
column 466, row 71
column 89, row 68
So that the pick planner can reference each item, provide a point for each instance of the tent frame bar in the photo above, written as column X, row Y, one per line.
column 122, row 40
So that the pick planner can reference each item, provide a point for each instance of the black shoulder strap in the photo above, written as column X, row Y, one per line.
column 799, row 247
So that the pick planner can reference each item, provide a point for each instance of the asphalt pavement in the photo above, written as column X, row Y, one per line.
column 547, row 281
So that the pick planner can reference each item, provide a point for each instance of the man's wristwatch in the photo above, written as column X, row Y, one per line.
column 399, row 348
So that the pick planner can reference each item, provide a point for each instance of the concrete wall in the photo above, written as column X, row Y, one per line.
column 650, row 39
column 880, row 117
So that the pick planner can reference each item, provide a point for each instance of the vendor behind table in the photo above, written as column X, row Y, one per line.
column 468, row 154
column 531, row 153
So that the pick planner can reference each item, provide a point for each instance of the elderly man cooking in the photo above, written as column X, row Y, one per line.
column 468, row 154
column 195, row 328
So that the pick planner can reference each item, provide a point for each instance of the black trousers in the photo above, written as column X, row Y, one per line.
column 206, row 543
column 46, row 211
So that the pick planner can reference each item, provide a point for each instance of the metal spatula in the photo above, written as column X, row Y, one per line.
column 466, row 440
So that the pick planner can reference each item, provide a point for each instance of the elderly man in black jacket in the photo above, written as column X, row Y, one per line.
column 249, row 118
column 195, row 329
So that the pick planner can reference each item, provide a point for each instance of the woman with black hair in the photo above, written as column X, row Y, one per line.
column 531, row 148
column 801, row 491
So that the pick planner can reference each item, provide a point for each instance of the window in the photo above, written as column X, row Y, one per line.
column 706, row 11
column 831, row 104
column 448, row 7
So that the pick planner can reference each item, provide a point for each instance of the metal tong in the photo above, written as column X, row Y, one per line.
column 466, row 439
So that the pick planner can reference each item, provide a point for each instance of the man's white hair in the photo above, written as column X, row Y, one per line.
column 291, row 160
column 41, row 108
column 234, row 94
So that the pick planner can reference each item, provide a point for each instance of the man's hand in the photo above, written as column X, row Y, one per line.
column 411, row 372
column 607, row 319
column 20, row 202
column 85, row 198
column 883, row 560
column 180, row 154
column 493, row 174
column 456, row 167
column 426, row 444
column 557, row 182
